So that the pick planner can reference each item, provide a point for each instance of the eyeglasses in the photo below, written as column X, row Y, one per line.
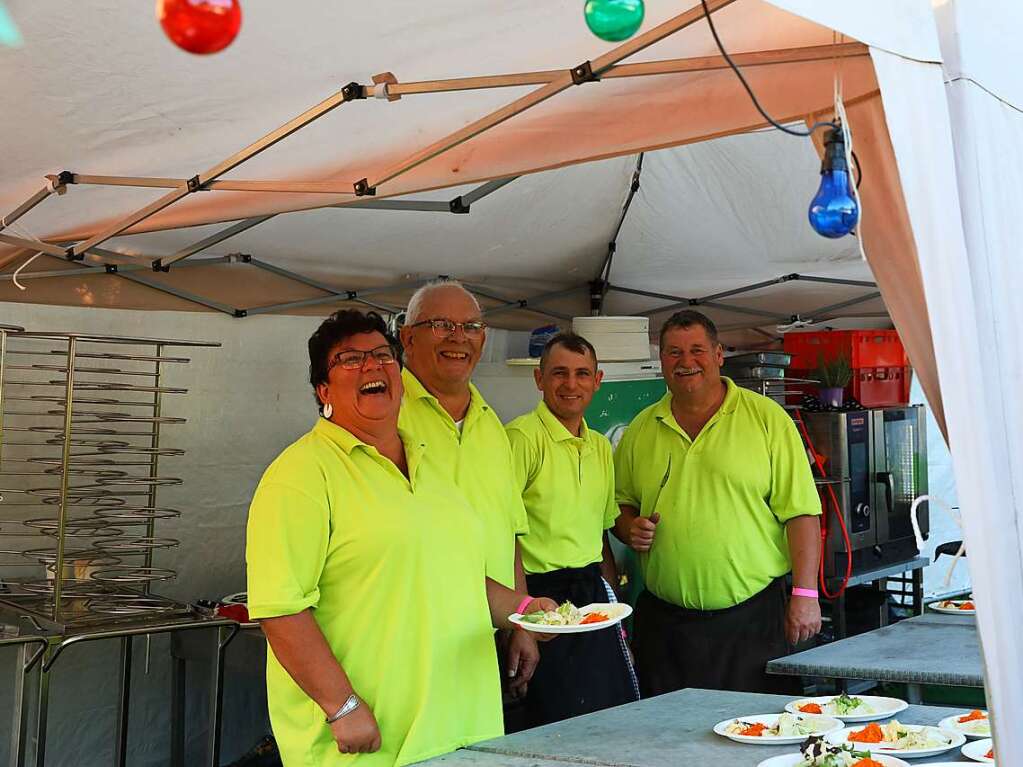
column 445, row 328
column 353, row 359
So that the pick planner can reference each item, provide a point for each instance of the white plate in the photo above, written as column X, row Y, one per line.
column 883, row 707
column 790, row 760
column 956, row 739
column 952, row 610
column 951, row 723
column 978, row 749
column 617, row 613
column 828, row 725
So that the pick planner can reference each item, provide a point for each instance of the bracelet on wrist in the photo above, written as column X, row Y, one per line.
column 521, row 609
column 809, row 593
column 346, row 708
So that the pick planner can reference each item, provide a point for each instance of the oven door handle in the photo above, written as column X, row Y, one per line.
column 888, row 480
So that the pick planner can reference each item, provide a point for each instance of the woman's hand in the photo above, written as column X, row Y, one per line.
column 357, row 733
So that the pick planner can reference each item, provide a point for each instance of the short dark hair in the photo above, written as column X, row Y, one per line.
column 688, row 318
column 342, row 324
column 571, row 341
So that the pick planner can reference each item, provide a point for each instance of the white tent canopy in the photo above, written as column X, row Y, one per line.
column 716, row 212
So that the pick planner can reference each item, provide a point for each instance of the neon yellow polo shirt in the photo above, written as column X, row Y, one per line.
column 478, row 460
column 568, row 489
column 723, row 498
column 335, row 527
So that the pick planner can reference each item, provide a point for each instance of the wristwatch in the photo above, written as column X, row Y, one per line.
column 348, row 707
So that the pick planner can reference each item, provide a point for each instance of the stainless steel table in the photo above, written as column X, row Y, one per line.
column 666, row 731
column 45, row 649
column 929, row 649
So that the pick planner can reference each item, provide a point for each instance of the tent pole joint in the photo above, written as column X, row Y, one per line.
column 195, row 185
column 158, row 266
column 583, row 73
column 70, row 255
column 598, row 290
column 239, row 313
column 353, row 92
column 110, row 268
column 458, row 205
column 381, row 81
column 363, row 189
column 61, row 180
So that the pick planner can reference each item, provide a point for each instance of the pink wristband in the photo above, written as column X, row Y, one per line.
column 523, row 605
column 811, row 593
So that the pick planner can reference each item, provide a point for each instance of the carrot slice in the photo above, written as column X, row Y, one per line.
column 967, row 606
column 868, row 762
column 593, row 618
column 754, row 730
column 973, row 716
column 811, row 708
column 870, row 734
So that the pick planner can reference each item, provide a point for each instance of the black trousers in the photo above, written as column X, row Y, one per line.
column 577, row 673
column 726, row 649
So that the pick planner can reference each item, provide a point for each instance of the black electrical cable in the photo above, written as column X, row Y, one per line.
column 749, row 90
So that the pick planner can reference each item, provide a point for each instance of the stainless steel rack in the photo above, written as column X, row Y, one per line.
column 82, row 419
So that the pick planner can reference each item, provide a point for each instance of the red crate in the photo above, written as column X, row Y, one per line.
column 871, row 387
column 864, row 348
column 880, row 386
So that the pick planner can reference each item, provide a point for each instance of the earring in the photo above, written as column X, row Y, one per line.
column 328, row 411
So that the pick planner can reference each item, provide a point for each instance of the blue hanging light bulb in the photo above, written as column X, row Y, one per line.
column 833, row 210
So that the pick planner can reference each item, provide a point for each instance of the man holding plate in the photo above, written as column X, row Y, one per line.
column 717, row 497
column 443, row 339
column 566, row 475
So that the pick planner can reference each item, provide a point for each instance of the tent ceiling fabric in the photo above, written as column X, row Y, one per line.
column 686, row 234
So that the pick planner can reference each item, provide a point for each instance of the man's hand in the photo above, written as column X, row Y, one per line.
column 803, row 619
column 523, row 655
column 641, row 532
column 539, row 603
column 357, row 733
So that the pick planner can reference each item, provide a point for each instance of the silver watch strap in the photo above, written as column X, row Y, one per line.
column 348, row 707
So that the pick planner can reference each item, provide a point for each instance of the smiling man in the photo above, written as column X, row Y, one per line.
column 443, row 339
column 717, row 496
column 566, row 474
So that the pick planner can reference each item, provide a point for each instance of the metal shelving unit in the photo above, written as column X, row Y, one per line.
column 82, row 449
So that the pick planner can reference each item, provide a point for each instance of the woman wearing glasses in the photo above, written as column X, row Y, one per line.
column 380, row 638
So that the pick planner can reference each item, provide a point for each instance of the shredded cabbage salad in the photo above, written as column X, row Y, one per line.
column 840, row 705
column 903, row 737
column 786, row 726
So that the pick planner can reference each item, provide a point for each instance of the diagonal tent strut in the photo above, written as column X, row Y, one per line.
column 528, row 304
column 348, row 93
column 561, row 82
column 681, row 302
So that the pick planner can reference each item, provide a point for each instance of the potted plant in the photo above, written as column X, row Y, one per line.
column 833, row 375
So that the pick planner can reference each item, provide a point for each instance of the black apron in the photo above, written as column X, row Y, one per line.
column 578, row 673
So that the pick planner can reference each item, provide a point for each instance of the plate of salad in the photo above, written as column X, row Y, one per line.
column 973, row 725
column 817, row 752
column 569, row 619
column 894, row 737
column 954, row 607
column 849, row 708
column 775, row 729
column 980, row 750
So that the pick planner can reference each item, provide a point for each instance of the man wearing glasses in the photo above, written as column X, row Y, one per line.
column 443, row 339
column 717, row 497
